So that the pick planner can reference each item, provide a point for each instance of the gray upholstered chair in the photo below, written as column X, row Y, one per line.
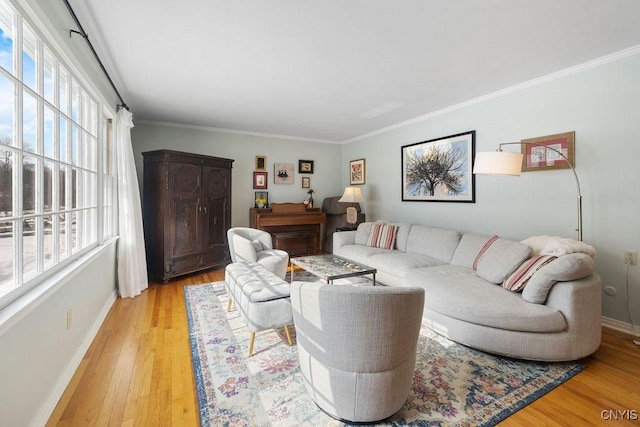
column 337, row 217
column 357, row 346
column 252, row 245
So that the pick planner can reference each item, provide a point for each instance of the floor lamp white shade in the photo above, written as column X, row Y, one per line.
column 352, row 195
column 498, row 163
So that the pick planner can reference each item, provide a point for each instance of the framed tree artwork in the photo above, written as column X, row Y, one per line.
column 439, row 170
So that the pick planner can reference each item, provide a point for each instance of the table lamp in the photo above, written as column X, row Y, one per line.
column 352, row 195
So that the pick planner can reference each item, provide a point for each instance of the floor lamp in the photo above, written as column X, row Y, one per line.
column 508, row 163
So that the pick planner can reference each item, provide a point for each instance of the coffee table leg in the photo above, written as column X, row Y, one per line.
column 374, row 279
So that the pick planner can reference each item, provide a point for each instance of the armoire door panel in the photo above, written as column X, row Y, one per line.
column 215, row 181
column 184, row 178
column 215, row 229
column 186, row 226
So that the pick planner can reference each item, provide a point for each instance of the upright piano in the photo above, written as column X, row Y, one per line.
column 294, row 227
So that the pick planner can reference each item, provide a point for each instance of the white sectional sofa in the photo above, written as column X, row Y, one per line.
column 555, row 318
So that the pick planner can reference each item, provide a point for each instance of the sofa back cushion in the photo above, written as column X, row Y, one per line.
column 362, row 233
column 438, row 243
column 468, row 249
column 500, row 259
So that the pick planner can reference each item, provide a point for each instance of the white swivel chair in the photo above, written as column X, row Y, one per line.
column 252, row 245
column 357, row 346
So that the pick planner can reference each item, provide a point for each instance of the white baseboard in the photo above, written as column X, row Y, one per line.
column 619, row 326
column 45, row 411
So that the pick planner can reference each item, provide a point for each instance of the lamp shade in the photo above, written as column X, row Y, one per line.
column 498, row 163
column 352, row 195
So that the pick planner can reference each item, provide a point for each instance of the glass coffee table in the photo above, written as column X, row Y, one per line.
column 332, row 267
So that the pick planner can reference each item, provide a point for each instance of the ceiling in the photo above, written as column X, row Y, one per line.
column 334, row 70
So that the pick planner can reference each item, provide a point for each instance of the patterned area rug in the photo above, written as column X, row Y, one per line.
column 453, row 384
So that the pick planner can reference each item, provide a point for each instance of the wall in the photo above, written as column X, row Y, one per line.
column 326, row 179
column 601, row 103
column 39, row 355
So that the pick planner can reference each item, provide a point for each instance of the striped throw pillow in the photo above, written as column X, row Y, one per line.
column 484, row 249
column 519, row 278
column 382, row 236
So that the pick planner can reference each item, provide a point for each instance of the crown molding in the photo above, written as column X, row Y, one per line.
column 235, row 131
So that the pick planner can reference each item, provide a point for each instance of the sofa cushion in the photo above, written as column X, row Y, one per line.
column 519, row 278
column 399, row 263
column 382, row 236
column 457, row 292
column 437, row 243
column 402, row 235
column 569, row 267
column 363, row 231
column 468, row 249
column 360, row 253
column 501, row 259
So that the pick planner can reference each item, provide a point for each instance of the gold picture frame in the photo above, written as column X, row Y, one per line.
column 536, row 157
column 261, row 163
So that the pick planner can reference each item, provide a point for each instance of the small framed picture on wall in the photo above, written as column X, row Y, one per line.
column 260, row 180
column 283, row 173
column 261, row 163
column 305, row 166
column 306, row 182
column 357, row 172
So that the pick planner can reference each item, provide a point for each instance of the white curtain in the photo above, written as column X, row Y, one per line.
column 132, row 262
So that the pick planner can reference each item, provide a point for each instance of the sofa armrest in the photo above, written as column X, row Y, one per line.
column 580, row 302
column 343, row 238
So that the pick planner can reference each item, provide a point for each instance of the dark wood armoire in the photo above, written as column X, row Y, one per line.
column 186, row 212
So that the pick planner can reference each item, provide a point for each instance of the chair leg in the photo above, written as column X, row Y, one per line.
column 286, row 331
column 253, row 338
column 229, row 304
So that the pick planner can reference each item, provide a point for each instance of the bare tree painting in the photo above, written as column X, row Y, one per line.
column 439, row 170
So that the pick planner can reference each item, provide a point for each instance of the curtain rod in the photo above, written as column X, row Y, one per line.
column 85, row 36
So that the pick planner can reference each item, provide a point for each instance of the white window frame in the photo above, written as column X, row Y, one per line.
column 90, row 128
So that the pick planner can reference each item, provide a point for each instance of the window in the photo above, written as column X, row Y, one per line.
column 50, row 172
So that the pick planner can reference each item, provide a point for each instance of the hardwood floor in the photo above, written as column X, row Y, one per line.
column 137, row 372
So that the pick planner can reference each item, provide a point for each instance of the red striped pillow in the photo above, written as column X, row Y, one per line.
column 519, row 278
column 382, row 236
column 484, row 249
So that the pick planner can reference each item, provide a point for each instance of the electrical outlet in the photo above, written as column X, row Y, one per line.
column 69, row 316
column 631, row 257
